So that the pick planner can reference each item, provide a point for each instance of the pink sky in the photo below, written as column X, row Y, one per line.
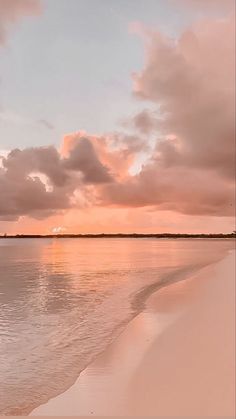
column 171, row 169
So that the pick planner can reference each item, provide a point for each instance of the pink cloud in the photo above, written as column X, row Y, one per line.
column 22, row 179
column 190, row 82
column 116, row 152
column 13, row 10
column 208, row 4
column 176, row 189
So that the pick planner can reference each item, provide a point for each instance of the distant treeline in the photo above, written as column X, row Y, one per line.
column 122, row 236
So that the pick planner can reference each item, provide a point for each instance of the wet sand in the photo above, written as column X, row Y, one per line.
column 176, row 358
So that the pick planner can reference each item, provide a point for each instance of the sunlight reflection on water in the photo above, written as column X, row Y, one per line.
column 63, row 301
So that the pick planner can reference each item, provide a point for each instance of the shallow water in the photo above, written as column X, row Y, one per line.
column 64, row 300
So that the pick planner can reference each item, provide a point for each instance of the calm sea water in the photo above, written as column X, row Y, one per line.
column 64, row 300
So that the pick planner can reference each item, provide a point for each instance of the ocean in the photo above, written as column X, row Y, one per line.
column 63, row 301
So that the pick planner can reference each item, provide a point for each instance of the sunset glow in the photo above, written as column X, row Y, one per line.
column 167, row 167
column 117, row 208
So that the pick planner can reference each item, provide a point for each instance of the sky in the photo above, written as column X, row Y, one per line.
column 117, row 116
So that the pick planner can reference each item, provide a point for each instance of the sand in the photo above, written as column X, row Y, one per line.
column 176, row 358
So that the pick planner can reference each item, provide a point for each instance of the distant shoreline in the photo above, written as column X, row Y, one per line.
column 121, row 235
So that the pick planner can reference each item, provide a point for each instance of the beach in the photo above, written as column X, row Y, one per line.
column 117, row 208
column 175, row 358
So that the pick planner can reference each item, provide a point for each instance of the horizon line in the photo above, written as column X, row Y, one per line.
column 120, row 235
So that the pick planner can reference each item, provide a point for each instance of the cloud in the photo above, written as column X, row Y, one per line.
column 46, row 160
column 176, row 189
column 221, row 5
column 46, row 124
column 13, row 10
column 23, row 189
column 83, row 157
column 145, row 122
column 116, row 152
column 40, row 181
column 29, row 196
column 15, row 118
column 189, row 83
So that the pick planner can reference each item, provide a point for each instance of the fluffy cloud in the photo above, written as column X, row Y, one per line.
column 23, row 192
column 177, row 189
column 191, row 81
column 46, row 160
column 190, row 85
column 83, row 157
column 12, row 10
column 40, row 181
column 145, row 122
column 117, row 152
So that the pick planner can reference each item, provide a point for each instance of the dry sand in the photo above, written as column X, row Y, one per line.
column 174, row 359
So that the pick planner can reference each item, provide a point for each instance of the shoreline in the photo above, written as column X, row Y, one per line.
column 125, row 369
column 210, row 236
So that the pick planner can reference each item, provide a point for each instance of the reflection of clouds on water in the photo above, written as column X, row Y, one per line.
column 64, row 300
